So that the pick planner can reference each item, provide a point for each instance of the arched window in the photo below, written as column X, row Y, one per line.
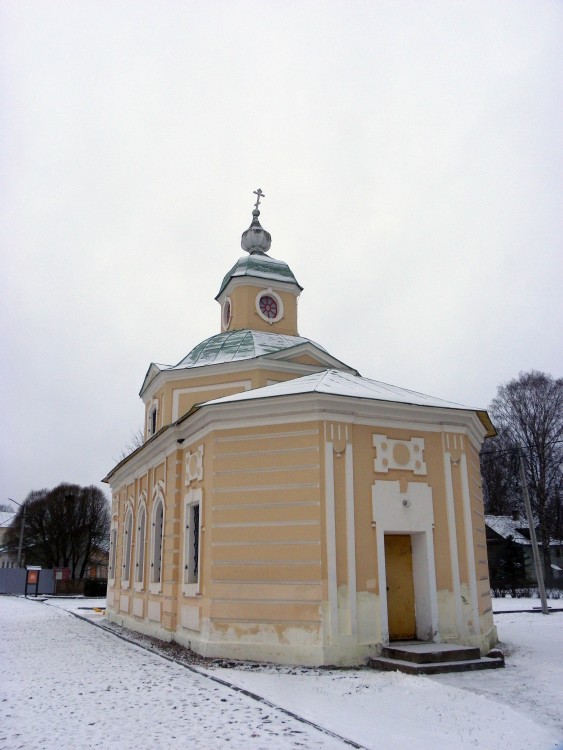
column 140, row 544
column 156, row 540
column 127, row 541
column 112, row 553
column 152, row 418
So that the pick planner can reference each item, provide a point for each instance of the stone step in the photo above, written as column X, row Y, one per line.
column 430, row 653
column 440, row 667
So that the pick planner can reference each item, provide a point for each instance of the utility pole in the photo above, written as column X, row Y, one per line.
column 533, row 538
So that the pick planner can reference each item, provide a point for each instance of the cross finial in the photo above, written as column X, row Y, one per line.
column 260, row 194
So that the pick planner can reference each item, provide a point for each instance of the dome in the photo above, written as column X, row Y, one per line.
column 236, row 345
column 256, row 239
column 260, row 266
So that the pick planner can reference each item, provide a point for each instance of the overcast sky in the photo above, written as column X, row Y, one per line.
column 411, row 157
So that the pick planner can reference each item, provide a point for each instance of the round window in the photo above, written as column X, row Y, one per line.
column 227, row 312
column 268, row 306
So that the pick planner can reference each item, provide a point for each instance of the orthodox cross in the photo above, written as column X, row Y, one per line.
column 260, row 194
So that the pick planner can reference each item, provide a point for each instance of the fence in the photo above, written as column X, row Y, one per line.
column 12, row 581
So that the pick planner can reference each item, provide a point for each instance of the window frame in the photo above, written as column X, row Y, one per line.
column 155, row 586
column 140, row 544
column 127, row 546
column 191, row 584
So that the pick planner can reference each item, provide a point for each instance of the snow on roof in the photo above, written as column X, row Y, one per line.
column 506, row 526
column 334, row 382
column 260, row 266
column 233, row 346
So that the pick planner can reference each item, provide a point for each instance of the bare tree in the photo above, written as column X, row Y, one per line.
column 499, row 472
column 64, row 527
column 529, row 413
column 136, row 440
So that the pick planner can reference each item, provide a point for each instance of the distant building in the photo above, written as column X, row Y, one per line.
column 7, row 560
column 284, row 508
column 510, row 554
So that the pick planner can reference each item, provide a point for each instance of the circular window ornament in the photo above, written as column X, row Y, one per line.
column 269, row 305
column 227, row 312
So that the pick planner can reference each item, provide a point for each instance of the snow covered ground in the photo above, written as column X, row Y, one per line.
column 66, row 684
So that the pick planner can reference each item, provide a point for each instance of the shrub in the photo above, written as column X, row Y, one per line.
column 95, row 587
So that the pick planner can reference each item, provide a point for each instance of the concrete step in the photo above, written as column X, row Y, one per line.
column 411, row 667
column 430, row 653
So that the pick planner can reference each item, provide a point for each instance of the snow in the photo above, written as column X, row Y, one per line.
column 261, row 266
column 68, row 684
column 334, row 382
column 233, row 346
column 507, row 526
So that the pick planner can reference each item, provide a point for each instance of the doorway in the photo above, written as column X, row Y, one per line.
column 400, row 587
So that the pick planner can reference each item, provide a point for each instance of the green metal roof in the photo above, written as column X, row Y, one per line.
column 260, row 266
column 237, row 345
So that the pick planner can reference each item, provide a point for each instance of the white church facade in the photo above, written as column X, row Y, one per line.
column 283, row 508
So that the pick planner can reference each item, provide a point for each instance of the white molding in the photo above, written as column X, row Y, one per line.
column 331, row 540
column 265, row 487
column 452, row 539
column 385, row 454
column 263, row 435
column 302, row 408
column 272, row 361
column 410, row 513
column 255, row 524
column 272, row 452
column 226, row 320
column 193, row 465
column 257, row 281
column 351, row 536
column 264, row 469
column 469, row 543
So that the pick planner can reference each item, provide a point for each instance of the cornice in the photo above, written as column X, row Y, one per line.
column 271, row 361
column 260, row 283
column 306, row 407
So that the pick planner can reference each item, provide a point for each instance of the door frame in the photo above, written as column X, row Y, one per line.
column 409, row 513
column 405, row 601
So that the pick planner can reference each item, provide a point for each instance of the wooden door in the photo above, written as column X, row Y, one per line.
column 400, row 587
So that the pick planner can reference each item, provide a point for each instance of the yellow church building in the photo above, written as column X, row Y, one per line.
column 283, row 508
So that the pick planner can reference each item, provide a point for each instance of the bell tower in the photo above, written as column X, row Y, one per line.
column 259, row 292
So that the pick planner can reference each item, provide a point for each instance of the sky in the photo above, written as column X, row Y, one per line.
column 411, row 157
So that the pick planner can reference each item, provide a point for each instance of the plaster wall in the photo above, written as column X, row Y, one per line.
column 292, row 539
column 245, row 315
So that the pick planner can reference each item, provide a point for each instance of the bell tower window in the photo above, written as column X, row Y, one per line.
column 269, row 305
column 152, row 419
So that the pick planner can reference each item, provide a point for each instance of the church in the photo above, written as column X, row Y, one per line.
column 284, row 508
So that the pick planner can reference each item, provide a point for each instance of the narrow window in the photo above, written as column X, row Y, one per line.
column 141, row 531
column 127, row 534
column 156, row 565
column 192, row 541
column 112, row 554
column 152, row 421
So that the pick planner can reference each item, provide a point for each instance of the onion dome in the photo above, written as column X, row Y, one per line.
column 256, row 239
